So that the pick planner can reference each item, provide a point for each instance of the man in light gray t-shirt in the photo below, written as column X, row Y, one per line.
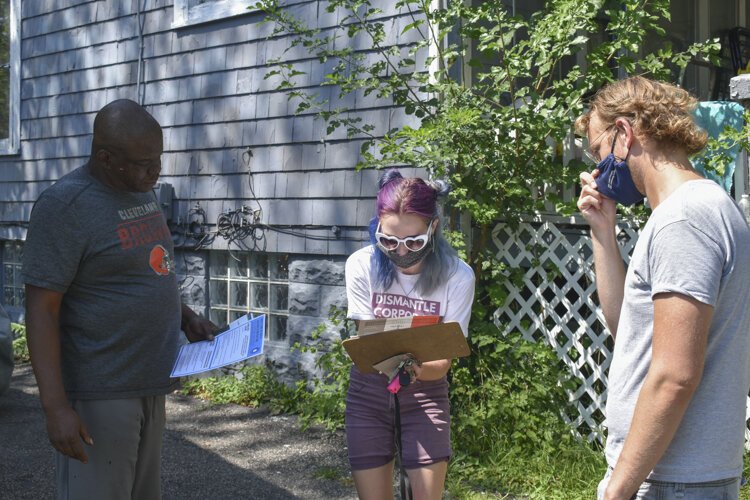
column 680, row 372
column 695, row 244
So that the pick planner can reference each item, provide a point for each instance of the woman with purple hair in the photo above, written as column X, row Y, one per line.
column 409, row 270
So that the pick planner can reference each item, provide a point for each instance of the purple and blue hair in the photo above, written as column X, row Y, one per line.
column 400, row 195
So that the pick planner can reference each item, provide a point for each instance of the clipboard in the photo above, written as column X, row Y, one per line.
column 426, row 343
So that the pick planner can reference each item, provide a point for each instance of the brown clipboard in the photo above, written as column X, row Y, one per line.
column 426, row 343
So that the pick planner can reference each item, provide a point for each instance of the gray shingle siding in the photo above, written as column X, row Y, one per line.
column 206, row 85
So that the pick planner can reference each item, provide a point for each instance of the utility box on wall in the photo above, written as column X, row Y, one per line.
column 164, row 193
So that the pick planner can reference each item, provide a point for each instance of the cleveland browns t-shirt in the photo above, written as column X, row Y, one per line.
column 111, row 254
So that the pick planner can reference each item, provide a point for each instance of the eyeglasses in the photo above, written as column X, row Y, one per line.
column 147, row 166
column 412, row 243
column 588, row 153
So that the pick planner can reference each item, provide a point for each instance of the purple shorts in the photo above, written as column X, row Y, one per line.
column 370, row 424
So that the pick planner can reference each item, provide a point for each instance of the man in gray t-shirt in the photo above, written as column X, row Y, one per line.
column 6, row 351
column 680, row 372
column 103, row 311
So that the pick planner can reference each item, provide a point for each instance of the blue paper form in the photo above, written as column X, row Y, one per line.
column 242, row 340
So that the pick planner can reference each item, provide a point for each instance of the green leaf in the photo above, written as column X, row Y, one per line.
column 411, row 26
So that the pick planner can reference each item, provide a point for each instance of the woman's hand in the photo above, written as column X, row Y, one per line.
column 432, row 370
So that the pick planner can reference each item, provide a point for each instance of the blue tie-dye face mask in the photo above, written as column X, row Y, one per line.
column 614, row 180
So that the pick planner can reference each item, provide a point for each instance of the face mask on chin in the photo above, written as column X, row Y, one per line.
column 615, row 182
column 409, row 259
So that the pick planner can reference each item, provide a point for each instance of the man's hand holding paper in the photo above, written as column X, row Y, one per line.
column 243, row 339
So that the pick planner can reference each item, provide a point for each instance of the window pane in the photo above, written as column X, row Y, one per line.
column 219, row 263
column 277, row 328
column 219, row 317
column 280, row 269
column 279, row 297
column 233, row 315
column 259, row 266
column 8, row 295
column 238, row 286
column 9, row 252
column 8, row 274
column 17, row 278
column 218, row 292
column 19, row 297
column 238, row 265
column 5, row 40
column 238, row 294
column 260, row 296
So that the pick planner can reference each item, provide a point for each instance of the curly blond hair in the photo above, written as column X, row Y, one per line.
column 659, row 111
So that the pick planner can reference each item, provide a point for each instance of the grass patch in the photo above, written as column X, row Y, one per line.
column 328, row 473
column 570, row 473
column 334, row 474
column 745, row 490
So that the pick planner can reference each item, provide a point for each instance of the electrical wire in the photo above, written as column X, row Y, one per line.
column 234, row 227
column 140, row 87
column 243, row 227
column 283, row 230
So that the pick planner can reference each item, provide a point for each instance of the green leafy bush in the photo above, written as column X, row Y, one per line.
column 507, row 407
column 322, row 400
column 20, row 348
column 253, row 385
column 510, row 389
column 493, row 95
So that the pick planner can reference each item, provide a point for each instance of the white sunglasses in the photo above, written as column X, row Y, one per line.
column 412, row 243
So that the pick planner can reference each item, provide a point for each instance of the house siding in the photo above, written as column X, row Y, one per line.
column 206, row 85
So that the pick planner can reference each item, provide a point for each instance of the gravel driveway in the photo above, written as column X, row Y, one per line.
column 210, row 452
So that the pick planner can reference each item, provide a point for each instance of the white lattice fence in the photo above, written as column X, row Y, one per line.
column 557, row 303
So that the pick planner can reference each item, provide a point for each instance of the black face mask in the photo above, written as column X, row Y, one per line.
column 409, row 259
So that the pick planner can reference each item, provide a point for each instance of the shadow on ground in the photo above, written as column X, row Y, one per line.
column 210, row 452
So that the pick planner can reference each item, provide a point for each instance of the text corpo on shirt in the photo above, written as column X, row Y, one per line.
column 390, row 305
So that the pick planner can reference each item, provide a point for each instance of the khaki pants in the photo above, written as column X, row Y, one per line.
column 125, row 460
